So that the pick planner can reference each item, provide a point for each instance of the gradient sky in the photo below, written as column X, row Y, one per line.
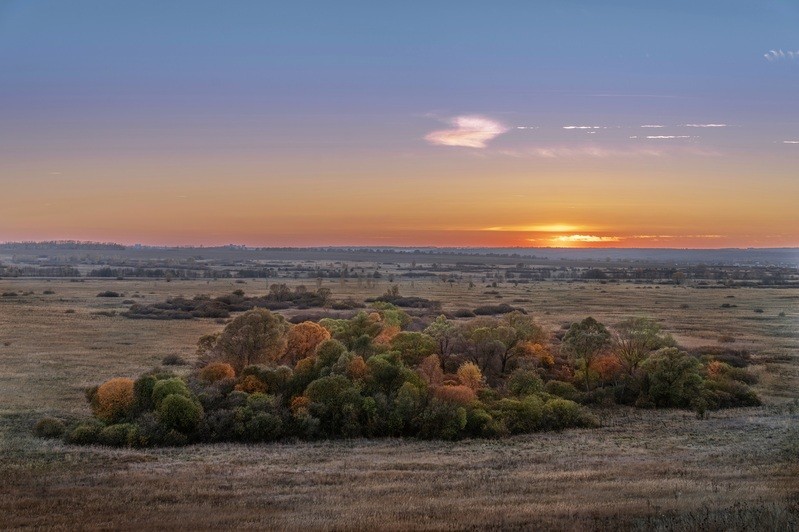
column 405, row 123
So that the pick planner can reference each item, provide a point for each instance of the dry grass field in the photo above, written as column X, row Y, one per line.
column 739, row 469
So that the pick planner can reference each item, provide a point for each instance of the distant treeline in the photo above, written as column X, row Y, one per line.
column 62, row 244
column 40, row 271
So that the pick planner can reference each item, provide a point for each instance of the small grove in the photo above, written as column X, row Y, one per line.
column 384, row 373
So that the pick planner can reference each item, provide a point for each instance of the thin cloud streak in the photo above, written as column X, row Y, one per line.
column 776, row 55
column 469, row 131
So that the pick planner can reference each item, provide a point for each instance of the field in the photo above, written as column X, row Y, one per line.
column 642, row 469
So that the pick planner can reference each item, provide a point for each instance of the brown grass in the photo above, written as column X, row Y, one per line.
column 641, row 469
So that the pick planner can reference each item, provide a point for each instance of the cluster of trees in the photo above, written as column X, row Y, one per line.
column 280, row 296
column 383, row 373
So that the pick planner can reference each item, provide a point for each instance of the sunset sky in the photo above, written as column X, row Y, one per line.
column 448, row 123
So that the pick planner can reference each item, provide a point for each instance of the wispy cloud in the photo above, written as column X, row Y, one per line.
column 790, row 141
column 652, row 125
column 542, row 228
column 565, row 152
column 584, row 127
column 705, row 125
column 584, row 238
column 776, row 55
column 469, row 131
column 666, row 137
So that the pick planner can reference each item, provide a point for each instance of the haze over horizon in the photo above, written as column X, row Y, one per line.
column 450, row 124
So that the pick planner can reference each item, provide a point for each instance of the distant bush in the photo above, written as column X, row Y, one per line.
column 118, row 435
column 180, row 413
column 166, row 387
column 108, row 293
column 85, row 433
column 173, row 360
column 502, row 308
column 49, row 427
column 217, row 371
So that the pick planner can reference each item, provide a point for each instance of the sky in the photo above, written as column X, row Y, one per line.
column 449, row 123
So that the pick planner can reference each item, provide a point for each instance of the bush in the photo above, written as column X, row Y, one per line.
column 173, row 360
column 525, row 382
column 263, row 427
column 565, row 390
column 457, row 395
column 49, row 427
column 562, row 413
column 113, row 400
column 118, row 435
column 85, row 433
column 217, row 371
column 672, row 378
column 442, row 419
column 166, row 387
column 180, row 413
column 521, row 416
column 108, row 293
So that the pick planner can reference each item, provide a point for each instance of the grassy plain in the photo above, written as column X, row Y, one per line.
column 642, row 469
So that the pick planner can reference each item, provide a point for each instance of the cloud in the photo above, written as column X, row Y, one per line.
column 666, row 237
column 564, row 152
column 585, row 238
column 790, row 141
column 545, row 228
column 705, row 125
column 469, row 131
column 668, row 136
column 652, row 125
column 584, row 127
column 776, row 55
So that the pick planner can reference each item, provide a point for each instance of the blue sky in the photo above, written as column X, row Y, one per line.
column 292, row 90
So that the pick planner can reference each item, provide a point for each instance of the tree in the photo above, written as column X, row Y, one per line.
column 584, row 341
column 635, row 338
column 470, row 375
column 255, row 337
column 303, row 340
column 413, row 346
column 445, row 333
column 673, row 378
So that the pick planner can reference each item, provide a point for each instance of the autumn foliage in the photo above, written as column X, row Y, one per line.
column 217, row 371
column 113, row 399
column 370, row 376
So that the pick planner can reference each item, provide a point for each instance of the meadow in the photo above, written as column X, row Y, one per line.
column 641, row 469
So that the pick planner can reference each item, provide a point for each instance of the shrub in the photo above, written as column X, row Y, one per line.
column 85, row 433
column 113, row 400
column 562, row 413
column 458, row 395
column 566, row 390
column 49, row 427
column 442, row 419
column 173, row 360
column 521, row 416
column 166, row 387
column 263, row 427
column 118, row 435
column 525, row 382
column 108, row 293
column 217, row 371
column 143, row 393
column 180, row 413
column 672, row 378
column 251, row 384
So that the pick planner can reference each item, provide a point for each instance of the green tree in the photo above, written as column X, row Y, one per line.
column 584, row 341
